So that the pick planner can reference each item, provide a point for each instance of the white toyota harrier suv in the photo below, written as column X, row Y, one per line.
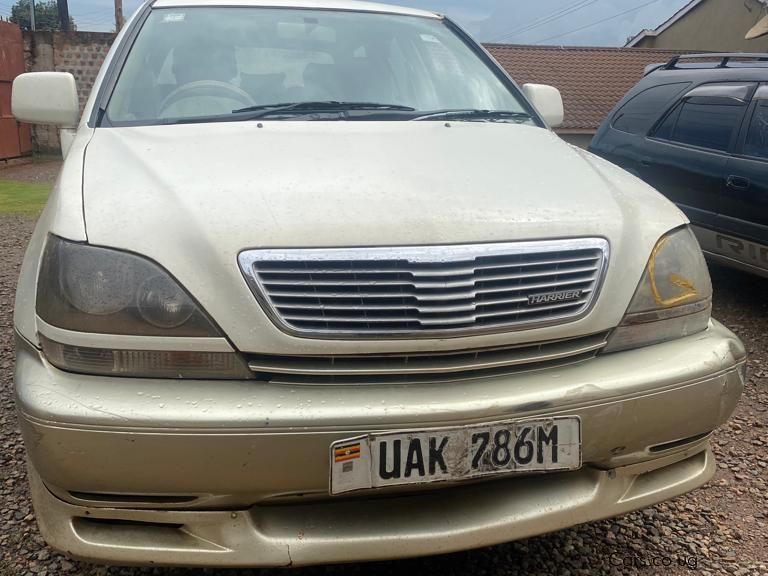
column 317, row 283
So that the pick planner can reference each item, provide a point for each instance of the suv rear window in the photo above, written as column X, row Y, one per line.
column 639, row 114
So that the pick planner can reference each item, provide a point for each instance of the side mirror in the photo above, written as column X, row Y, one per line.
column 46, row 98
column 548, row 102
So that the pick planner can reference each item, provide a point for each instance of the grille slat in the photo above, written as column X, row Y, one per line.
column 426, row 309
column 462, row 270
column 460, row 295
column 376, row 307
column 418, row 284
column 425, row 291
column 448, row 319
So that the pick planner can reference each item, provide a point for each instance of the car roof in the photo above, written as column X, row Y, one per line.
column 349, row 5
column 699, row 75
column 712, row 65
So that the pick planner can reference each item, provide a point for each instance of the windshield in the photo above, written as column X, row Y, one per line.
column 204, row 63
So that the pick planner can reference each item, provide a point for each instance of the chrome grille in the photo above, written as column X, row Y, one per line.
column 427, row 291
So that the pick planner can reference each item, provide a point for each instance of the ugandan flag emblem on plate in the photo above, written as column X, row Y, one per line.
column 346, row 452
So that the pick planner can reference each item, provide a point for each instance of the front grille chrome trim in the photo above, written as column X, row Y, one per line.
column 425, row 291
column 451, row 362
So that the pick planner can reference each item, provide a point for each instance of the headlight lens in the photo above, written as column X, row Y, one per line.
column 162, row 303
column 673, row 299
column 92, row 289
column 96, row 285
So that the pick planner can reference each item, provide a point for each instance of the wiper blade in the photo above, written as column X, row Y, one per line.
column 318, row 106
column 472, row 114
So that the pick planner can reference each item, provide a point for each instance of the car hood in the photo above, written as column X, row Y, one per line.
column 193, row 196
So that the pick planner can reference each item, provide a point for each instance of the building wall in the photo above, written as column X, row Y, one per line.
column 714, row 25
column 80, row 53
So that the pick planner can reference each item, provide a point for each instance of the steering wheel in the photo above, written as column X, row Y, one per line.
column 209, row 88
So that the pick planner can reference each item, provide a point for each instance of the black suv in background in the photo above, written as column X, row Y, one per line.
column 696, row 129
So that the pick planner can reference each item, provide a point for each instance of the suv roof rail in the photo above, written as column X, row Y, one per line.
column 652, row 68
column 724, row 58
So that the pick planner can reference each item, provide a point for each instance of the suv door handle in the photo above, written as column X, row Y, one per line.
column 646, row 162
column 738, row 182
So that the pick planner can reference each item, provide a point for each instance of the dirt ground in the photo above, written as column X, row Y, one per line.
column 42, row 171
column 721, row 528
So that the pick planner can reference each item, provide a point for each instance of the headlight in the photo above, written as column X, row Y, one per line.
column 86, row 288
column 674, row 298
column 91, row 289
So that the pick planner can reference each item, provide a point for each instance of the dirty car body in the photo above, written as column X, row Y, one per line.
column 336, row 293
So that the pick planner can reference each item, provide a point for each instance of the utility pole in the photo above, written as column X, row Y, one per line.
column 63, row 15
column 32, row 25
column 118, row 15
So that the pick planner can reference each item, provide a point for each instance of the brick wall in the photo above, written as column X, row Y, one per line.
column 80, row 53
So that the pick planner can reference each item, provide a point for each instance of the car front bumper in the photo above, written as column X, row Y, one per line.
column 236, row 473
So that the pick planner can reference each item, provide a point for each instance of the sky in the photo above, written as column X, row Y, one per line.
column 558, row 22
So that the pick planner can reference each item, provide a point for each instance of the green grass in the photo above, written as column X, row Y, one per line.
column 22, row 197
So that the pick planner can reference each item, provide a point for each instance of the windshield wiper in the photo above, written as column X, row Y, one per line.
column 318, row 106
column 473, row 114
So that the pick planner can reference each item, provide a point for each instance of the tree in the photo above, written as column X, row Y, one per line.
column 46, row 15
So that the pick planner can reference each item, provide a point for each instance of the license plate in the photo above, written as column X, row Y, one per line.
column 450, row 454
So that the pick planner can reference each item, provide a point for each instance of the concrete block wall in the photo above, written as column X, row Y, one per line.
column 38, row 57
column 80, row 53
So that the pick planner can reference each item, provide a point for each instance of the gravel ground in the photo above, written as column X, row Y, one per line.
column 39, row 171
column 721, row 528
